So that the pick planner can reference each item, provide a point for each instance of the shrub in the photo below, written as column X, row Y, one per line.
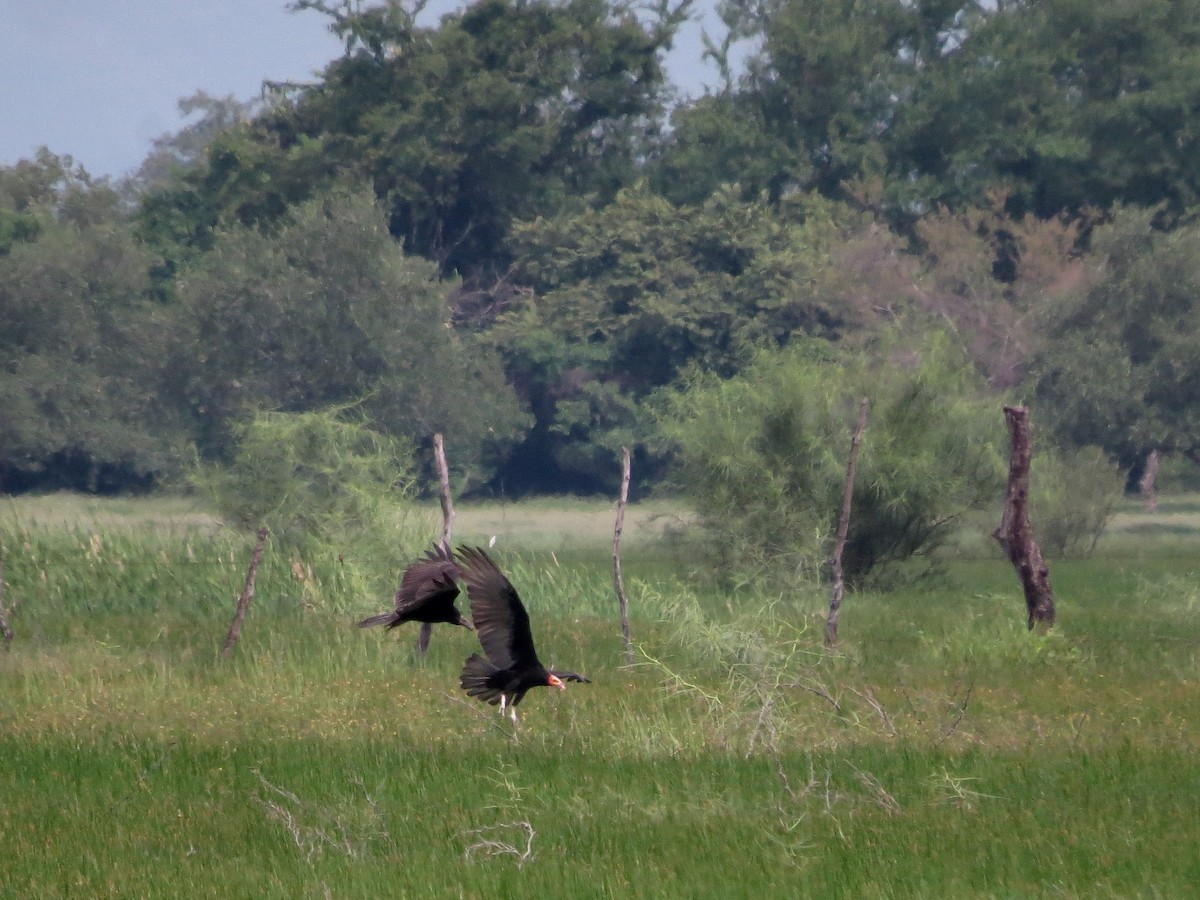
column 763, row 456
column 328, row 489
column 1072, row 495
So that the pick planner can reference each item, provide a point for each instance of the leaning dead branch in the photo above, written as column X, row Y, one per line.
column 884, row 716
column 495, row 840
column 243, row 604
column 347, row 833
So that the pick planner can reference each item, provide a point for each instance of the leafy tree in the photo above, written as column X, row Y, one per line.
column 329, row 310
column 318, row 474
column 330, row 489
column 625, row 297
column 820, row 94
column 1065, row 103
column 763, row 456
column 1121, row 365
column 186, row 148
column 81, row 343
column 506, row 110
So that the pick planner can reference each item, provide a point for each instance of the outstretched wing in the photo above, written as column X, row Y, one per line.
column 497, row 612
column 429, row 580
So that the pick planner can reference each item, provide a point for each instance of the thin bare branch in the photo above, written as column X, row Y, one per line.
column 622, row 600
column 243, row 604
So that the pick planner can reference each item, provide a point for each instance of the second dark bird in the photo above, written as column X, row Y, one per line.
column 512, row 666
column 427, row 594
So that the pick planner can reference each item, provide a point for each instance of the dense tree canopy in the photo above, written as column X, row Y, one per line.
column 506, row 110
column 329, row 310
column 1122, row 366
column 81, row 342
column 507, row 227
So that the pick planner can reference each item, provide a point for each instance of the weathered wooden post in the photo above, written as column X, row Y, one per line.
column 622, row 601
column 1015, row 534
column 448, row 517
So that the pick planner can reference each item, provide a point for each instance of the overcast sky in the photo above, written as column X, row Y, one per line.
column 100, row 79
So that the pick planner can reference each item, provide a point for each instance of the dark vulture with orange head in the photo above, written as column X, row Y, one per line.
column 512, row 666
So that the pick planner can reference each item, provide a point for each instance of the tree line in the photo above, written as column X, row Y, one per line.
column 509, row 228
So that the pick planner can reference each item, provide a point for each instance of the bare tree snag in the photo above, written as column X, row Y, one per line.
column 448, row 517
column 1015, row 534
column 1148, row 483
column 622, row 601
column 243, row 604
column 5, row 627
column 839, row 583
column 448, row 514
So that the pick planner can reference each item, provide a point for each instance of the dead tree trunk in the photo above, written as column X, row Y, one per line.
column 448, row 517
column 1015, row 534
column 622, row 601
column 1148, row 483
column 448, row 514
column 5, row 627
column 839, row 584
column 243, row 604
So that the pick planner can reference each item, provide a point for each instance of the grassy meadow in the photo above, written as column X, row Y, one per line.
column 942, row 752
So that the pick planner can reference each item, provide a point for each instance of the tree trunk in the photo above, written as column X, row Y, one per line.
column 622, row 601
column 448, row 514
column 243, row 604
column 1015, row 534
column 839, row 585
column 1148, row 484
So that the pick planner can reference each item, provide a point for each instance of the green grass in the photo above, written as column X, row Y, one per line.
column 944, row 752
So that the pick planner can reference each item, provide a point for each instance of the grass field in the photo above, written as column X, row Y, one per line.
column 943, row 752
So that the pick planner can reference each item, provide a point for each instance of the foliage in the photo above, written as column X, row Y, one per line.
column 1121, row 366
column 329, row 310
column 81, row 340
column 185, row 149
column 505, row 110
column 763, row 457
column 1066, row 105
column 314, row 474
column 623, row 299
column 1072, row 496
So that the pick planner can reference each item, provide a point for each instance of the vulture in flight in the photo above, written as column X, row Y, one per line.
column 427, row 593
column 512, row 666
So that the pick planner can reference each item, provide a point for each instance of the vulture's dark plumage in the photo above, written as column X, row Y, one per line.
column 427, row 594
column 512, row 666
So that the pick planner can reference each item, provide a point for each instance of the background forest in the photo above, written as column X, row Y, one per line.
column 509, row 228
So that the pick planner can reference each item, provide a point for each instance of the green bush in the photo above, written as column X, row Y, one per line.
column 1072, row 495
column 326, row 488
column 763, row 457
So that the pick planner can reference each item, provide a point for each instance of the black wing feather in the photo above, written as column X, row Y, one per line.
column 428, row 580
column 499, row 616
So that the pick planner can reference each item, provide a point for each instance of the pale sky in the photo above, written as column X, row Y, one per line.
column 100, row 79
